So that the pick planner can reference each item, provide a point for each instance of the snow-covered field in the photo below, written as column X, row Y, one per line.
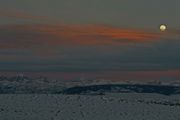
column 118, row 106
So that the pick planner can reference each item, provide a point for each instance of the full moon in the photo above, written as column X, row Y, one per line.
column 163, row 27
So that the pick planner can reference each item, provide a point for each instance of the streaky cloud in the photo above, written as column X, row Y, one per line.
column 38, row 35
column 21, row 15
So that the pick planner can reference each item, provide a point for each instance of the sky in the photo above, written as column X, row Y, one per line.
column 91, row 39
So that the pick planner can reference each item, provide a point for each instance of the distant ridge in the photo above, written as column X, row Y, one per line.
column 123, row 88
column 22, row 84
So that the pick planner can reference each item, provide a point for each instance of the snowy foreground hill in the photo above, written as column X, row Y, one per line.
column 118, row 106
column 23, row 98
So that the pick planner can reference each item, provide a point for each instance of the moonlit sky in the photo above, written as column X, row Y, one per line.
column 91, row 39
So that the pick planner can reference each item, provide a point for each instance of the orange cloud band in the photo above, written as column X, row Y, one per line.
column 34, row 35
column 89, row 34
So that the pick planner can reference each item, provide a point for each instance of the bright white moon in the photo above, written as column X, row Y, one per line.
column 163, row 27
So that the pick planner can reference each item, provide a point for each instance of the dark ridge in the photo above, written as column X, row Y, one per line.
column 122, row 88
